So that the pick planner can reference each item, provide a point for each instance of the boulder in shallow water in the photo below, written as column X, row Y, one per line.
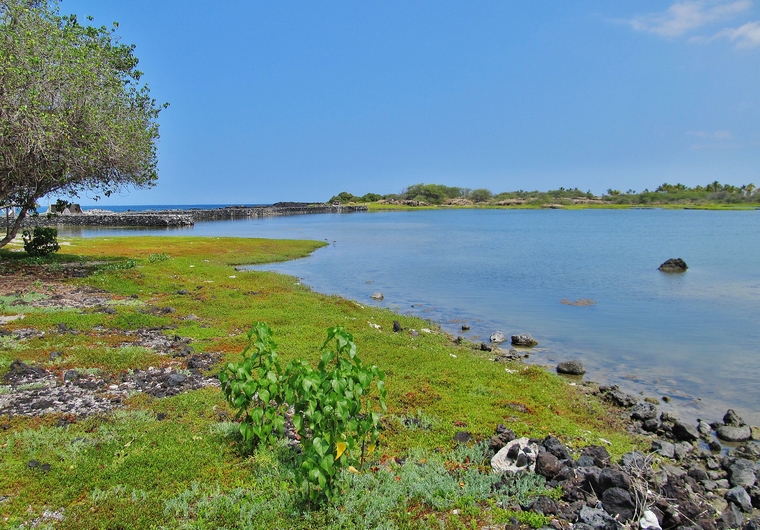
column 571, row 367
column 377, row 296
column 498, row 337
column 523, row 339
column 674, row 265
column 734, row 434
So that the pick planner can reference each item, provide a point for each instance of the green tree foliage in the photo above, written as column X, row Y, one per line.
column 430, row 193
column 73, row 113
column 343, row 197
column 370, row 197
column 480, row 195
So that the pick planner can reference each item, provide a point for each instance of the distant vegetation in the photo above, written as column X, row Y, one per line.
column 666, row 194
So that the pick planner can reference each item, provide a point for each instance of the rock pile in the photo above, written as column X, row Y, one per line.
column 687, row 480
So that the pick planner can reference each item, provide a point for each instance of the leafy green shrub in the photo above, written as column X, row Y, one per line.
column 41, row 241
column 336, row 429
column 254, row 387
column 157, row 258
column 332, row 415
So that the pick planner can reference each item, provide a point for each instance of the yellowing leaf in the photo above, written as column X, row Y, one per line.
column 352, row 469
column 340, row 448
column 370, row 448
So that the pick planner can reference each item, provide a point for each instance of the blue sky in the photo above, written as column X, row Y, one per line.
column 274, row 101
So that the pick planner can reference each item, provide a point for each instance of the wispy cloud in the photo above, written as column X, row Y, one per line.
column 713, row 140
column 683, row 17
column 714, row 135
column 746, row 36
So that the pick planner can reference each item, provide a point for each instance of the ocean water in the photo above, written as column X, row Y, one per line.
column 694, row 337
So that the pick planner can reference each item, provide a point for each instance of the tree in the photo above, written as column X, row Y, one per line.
column 480, row 195
column 73, row 113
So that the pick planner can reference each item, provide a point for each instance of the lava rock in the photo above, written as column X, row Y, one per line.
column 613, row 478
column 618, row 502
column 597, row 519
column 620, row 398
column 19, row 372
column 462, row 437
column 685, row 432
column 544, row 505
column 500, row 440
column 176, row 379
column 674, row 265
column 498, row 337
column 663, row 448
column 734, row 434
column 740, row 497
column 571, row 367
column 548, row 465
column 524, row 339
column 598, row 453
column 555, row 447
column 643, row 411
column 742, row 473
column 732, row 419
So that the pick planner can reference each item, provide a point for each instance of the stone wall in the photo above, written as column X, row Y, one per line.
column 171, row 218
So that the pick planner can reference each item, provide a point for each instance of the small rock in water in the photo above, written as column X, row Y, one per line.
column 465, row 327
column 734, row 434
column 571, row 367
column 497, row 337
column 674, row 265
column 524, row 339
column 732, row 419
column 377, row 296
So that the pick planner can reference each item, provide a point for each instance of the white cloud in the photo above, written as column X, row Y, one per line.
column 682, row 17
column 715, row 135
column 746, row 36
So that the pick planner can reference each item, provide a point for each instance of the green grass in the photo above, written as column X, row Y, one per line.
column 130, row 470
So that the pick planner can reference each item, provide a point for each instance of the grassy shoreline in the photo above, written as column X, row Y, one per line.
column 435, row 389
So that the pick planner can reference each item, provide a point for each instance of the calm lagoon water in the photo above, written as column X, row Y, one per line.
column 694, row 337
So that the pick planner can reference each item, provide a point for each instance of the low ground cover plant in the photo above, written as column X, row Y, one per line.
column 176, row 461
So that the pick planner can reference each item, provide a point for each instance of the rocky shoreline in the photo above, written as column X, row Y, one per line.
column 691, row 475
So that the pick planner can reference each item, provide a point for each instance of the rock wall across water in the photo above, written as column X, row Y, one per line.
column 177, row 217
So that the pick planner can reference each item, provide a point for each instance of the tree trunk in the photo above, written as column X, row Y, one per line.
column 14, row 228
